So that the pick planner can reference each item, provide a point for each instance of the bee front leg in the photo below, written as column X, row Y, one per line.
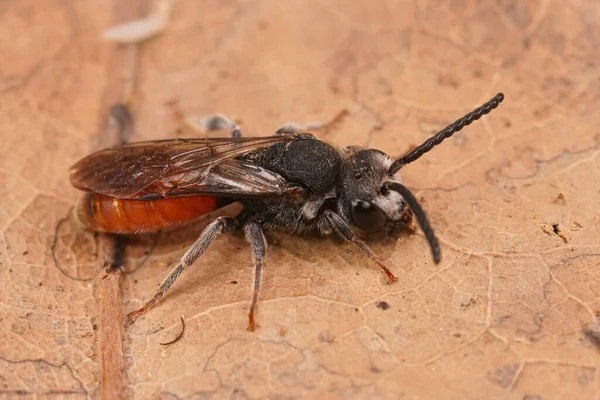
column 258, row 243
column 341, row 227
column 208, row 235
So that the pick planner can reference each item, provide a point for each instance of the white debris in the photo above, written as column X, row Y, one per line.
column 138, row 30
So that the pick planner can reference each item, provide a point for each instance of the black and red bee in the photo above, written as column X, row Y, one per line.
column 291, row 181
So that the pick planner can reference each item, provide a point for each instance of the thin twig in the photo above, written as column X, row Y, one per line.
column 179, row 336
column 124, row 72
column 110, row 332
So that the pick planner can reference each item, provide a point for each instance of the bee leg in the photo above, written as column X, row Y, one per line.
column 207, row 123
column 337, row 224
column 210, row 123
column 219, row 225
column 219, row 122
column 290, row 128
column 256, row 238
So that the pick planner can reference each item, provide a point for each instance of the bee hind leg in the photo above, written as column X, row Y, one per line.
column 219, row 225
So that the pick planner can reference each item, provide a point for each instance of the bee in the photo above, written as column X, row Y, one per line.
column 290, row 181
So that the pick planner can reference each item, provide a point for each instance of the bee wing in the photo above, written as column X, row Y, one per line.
column 179, row 168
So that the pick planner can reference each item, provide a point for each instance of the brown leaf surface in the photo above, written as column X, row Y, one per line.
column 509, row 313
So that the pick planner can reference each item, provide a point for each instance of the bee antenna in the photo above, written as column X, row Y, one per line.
column 446, row 133
column 420, row 215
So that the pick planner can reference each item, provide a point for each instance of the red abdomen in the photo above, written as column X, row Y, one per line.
column 108, row 214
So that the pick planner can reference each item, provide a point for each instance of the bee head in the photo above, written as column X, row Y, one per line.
column 364, row 197
column 372, row 199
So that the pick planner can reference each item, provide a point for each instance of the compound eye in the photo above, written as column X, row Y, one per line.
column 367, row 216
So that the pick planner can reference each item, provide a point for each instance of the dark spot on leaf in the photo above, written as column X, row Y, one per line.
column 560, row 199
column 469, row 303
column 383, row 305
column 326, row 337
column 503, row 376
column 592, row 332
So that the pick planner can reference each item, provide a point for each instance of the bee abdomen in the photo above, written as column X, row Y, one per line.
column 108, row 214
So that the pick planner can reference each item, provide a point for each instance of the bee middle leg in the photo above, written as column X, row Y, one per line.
column 337, row 224
column 219, row 225
column 219, row 122
column 258, row 243
column 206, row 123
column 292, row 128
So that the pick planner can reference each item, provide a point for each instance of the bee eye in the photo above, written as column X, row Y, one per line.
column 367, row 216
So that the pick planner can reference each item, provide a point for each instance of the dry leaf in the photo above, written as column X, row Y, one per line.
column 509, row 313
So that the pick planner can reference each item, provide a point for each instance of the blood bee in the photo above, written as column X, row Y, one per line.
column 290, row 181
